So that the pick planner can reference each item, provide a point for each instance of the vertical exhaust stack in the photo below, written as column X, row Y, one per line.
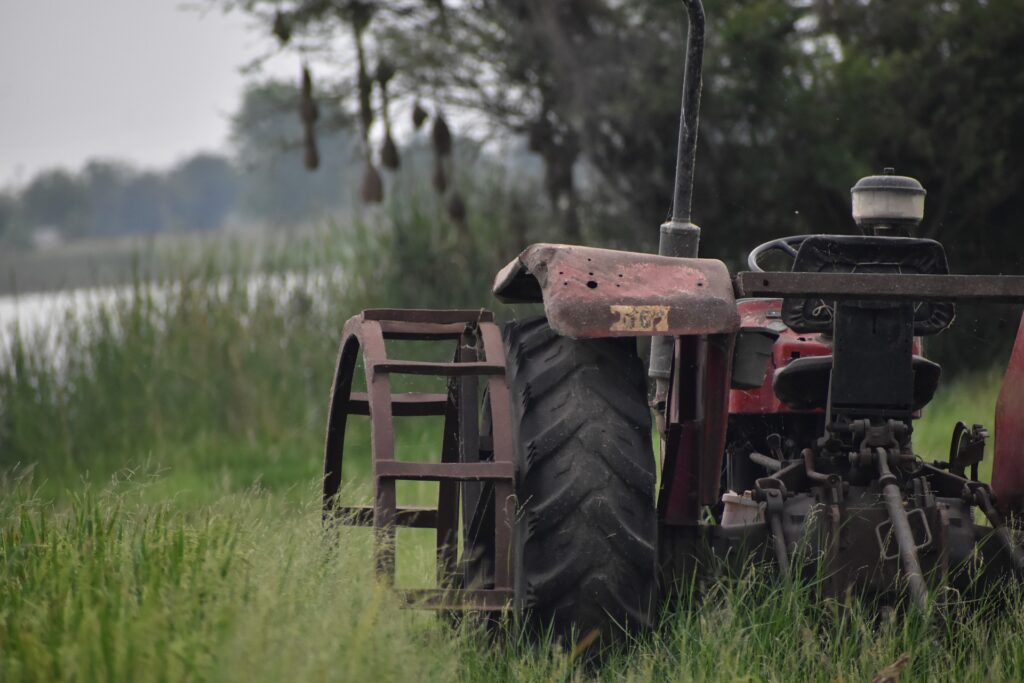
column 679, row 236
column 689, row 119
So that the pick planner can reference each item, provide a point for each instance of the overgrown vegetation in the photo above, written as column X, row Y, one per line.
column 159, row 516
column 800, row 100
column 118, row 586
column 225, row 366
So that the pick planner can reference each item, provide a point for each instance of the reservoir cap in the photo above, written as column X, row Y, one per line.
column 887, row 199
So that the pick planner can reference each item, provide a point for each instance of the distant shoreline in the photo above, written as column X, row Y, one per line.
column 110, row 262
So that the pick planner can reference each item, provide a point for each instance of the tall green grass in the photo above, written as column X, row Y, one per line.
column 159, row 515
column 202, row 372
column 116, row 586
column 217, row 376
column 968, row 398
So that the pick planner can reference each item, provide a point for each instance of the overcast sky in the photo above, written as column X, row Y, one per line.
column 148, row 81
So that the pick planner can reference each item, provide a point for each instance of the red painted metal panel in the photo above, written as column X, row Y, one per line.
column 591, row 292
column 679, row 498
column 765, row 314
column 1008, row 463
column 717, row 374
column 678, row 501
column 694, row 442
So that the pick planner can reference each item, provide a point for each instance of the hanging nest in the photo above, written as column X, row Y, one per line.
column 439, row 179
column 373, row 185
column 309, row 113
column 441, row 137
column 364, row 83
column 389, row 158
column 385, row 72
column 419, row 115
column 282, row 28
column 310, row 155
column 537, row 138
column 365, row 105
column 358, row 13
column 457, row 209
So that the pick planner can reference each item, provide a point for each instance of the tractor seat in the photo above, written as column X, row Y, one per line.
column 803, row 383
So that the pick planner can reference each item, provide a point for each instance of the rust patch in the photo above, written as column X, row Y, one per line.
column 590, row 292
column 640, row 318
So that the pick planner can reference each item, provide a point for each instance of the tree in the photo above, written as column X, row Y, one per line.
column 801, row 99
column 55, row 199
column 203, row 191
column 8, row 215
column 110, row 198
column 476, row 60
column 267, row 138
column 105, row 181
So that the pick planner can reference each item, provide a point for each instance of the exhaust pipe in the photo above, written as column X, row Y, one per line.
column 689, row 119
column 679, row 237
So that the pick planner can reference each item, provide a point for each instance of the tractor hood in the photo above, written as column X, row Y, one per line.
column 590, row 292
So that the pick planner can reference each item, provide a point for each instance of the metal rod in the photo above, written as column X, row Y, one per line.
column 901, row 529
column 678, row 237
column 774, row 506
column 767, row 462
column 779, row 541
column 812, row 473
column 883, row 286
column 686, row 154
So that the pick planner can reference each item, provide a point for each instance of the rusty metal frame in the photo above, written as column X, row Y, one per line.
column 479, row 353
column 884, row 286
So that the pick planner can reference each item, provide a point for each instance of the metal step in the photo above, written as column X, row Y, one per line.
column 417, row 367
column 430, row 316
column 402, row 405
column 444, row 471
column 414, row 516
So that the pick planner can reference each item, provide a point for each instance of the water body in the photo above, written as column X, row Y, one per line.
column 37, row 316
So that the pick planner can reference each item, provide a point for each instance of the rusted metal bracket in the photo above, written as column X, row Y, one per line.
column 772, row 492
column 462, row 470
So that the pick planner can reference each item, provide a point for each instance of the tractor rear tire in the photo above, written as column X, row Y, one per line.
column 586, row 534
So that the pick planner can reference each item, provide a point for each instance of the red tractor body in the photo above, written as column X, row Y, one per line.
column 761, row 316
column 784, row 402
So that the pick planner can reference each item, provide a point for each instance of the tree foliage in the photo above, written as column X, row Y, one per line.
column 109, row 198
column 801, row 98
column 268, row 146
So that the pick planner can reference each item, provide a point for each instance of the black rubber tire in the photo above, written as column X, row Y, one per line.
column 586, row 535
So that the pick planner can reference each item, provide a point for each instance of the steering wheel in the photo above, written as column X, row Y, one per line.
column 787, row 245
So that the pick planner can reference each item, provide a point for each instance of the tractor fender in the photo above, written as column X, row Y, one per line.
column 590, row 292
column 1008, row 462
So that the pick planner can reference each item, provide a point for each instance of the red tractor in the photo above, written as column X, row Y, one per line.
column 785, row 404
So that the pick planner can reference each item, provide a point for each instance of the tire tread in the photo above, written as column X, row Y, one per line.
column 586, row 548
